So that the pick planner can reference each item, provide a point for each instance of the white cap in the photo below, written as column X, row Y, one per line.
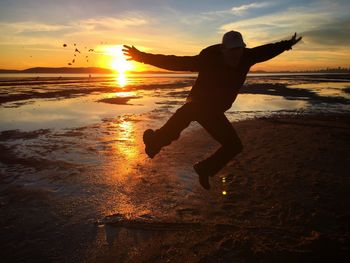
column 232, row 39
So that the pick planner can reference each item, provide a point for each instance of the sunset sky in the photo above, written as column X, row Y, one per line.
column 32, row 32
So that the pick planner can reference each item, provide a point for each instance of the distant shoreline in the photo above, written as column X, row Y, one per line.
column 96, row 70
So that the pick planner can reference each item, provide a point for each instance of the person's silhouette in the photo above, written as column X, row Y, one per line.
column 222, row 70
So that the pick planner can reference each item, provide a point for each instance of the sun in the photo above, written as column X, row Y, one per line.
column 118, row 61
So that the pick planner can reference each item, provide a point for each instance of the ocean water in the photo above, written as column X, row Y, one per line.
column 52, row 101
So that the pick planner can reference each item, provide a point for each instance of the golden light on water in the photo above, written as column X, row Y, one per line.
column 122, row 79
column 126, row 131
column 125, row 153
column 123, row 94
column 127, row 145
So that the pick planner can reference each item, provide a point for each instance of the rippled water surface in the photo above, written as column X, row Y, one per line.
column 51, row 102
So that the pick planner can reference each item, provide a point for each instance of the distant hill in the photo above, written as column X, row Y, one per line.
column 63, row 70
column 70, row 70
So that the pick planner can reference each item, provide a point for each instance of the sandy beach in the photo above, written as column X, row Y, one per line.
column 85, row 86
column 90, row 194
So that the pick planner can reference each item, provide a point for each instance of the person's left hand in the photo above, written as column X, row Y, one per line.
column 294, row 40
column 132, row 53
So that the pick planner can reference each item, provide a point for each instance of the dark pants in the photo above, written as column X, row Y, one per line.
column 215, row 123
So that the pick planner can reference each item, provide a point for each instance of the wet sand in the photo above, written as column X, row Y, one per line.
column 88, row 193
column 285, row 198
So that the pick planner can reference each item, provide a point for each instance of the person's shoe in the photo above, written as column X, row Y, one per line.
column 203, row 175
column 152, row 147
column 206, row 167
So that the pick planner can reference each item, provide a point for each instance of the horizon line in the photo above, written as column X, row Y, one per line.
column 110, row 71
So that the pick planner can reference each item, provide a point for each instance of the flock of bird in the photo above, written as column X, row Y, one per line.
column 77, row 51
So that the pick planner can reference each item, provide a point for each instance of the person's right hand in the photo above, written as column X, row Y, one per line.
column 132, row 53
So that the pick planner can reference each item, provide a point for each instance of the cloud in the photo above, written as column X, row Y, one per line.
column 87, row 30
column 279, row 25
column 319, row 30
column 32, row 33
column 239, row 10
column 106, row 23
column 324, row 23
column 236, row 10
column 30, row 26
column 332, row 34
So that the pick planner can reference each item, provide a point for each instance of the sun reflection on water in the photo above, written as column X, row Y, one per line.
column 123, row 94
column 122, row 79
column 127, row 145
column 121, row 168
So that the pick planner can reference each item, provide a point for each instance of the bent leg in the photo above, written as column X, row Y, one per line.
column 220, row 128
column 180, row 120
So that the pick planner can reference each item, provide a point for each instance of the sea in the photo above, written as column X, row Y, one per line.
column 56, row 101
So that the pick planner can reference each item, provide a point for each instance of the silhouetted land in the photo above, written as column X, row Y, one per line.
column 69, row 70
column 97, row 70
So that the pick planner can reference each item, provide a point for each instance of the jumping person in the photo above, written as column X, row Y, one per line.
column 222, row 70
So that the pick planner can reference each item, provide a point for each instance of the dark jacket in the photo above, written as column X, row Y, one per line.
column 217, row 84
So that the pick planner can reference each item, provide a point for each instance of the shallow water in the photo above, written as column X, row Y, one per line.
column 96, row 126
column 50, row 103
column 331, row 89
column 55, row 124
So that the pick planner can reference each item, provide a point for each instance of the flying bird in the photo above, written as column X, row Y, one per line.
column 64, row 45
column 77, row 50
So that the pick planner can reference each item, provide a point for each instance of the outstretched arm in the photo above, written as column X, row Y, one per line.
column 269, row 51
column 169, row 62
